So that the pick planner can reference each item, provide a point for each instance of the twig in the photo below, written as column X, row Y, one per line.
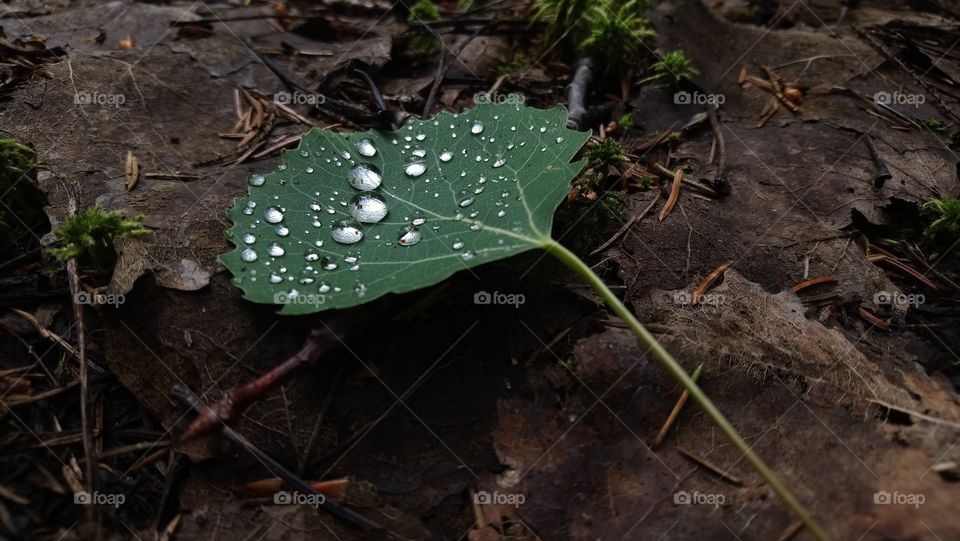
column 675, row 412
column 237, row 399
column 47, row 333
column 382, row 112
column 718, row 179
column 187, row 396
column 626, row 226
column 432, row 95
column 88, row 450
column 577, row 93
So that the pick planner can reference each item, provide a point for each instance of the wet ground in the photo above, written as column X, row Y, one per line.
column 549, row 407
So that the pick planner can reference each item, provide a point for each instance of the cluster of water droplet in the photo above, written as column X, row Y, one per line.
column 367, row 206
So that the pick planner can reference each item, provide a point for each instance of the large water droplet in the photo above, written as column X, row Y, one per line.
column 360, row 289
column 324, row 287
column 275, row 278
column 282, row 231
column 477, row 128
column 466, row 202
column 409, row 236
column 248, row 255
column 347, row 232
column 249, row 238
column 446, row 155
column 257, row 180
column 457, row 244
column 415, row 168
column 467, row 256
column 368, row 208
column 276, row 250
column 365, row 148
column 364, row 177
column 328, row 264
column 273, row 215
column 500, row 161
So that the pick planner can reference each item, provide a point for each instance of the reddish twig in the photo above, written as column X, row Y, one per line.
column 238, row 399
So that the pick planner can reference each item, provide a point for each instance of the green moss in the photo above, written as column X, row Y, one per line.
column 673, row 67
column 605, row 154
column 424, row 10
column 22, row 219
column 626, row 124
column 945, row 225
column 613, row 34
column 89, row 236
column 513, row 66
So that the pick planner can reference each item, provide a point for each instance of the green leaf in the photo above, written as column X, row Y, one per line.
column 491, row 180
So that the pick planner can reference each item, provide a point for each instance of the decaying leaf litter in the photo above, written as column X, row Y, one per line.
column 878, row 406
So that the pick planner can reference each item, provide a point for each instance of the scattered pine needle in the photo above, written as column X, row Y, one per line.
column 813, row 282
column 865, row 314
column 715, row 469
column 709, row 280
column 672, row 418
column 674, row 194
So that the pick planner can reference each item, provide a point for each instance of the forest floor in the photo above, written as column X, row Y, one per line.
column 550, row 407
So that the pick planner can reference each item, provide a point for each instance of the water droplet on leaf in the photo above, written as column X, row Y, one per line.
column 365, row 148
column 409, row 236
column 273, row 215
column 364, row 177
column 346, row 232
column 368, row 208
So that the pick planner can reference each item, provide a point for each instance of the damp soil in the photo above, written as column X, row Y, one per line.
column 550, row 407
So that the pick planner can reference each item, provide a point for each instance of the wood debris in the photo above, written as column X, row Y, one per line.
column 257, row 116
column 131, row 171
